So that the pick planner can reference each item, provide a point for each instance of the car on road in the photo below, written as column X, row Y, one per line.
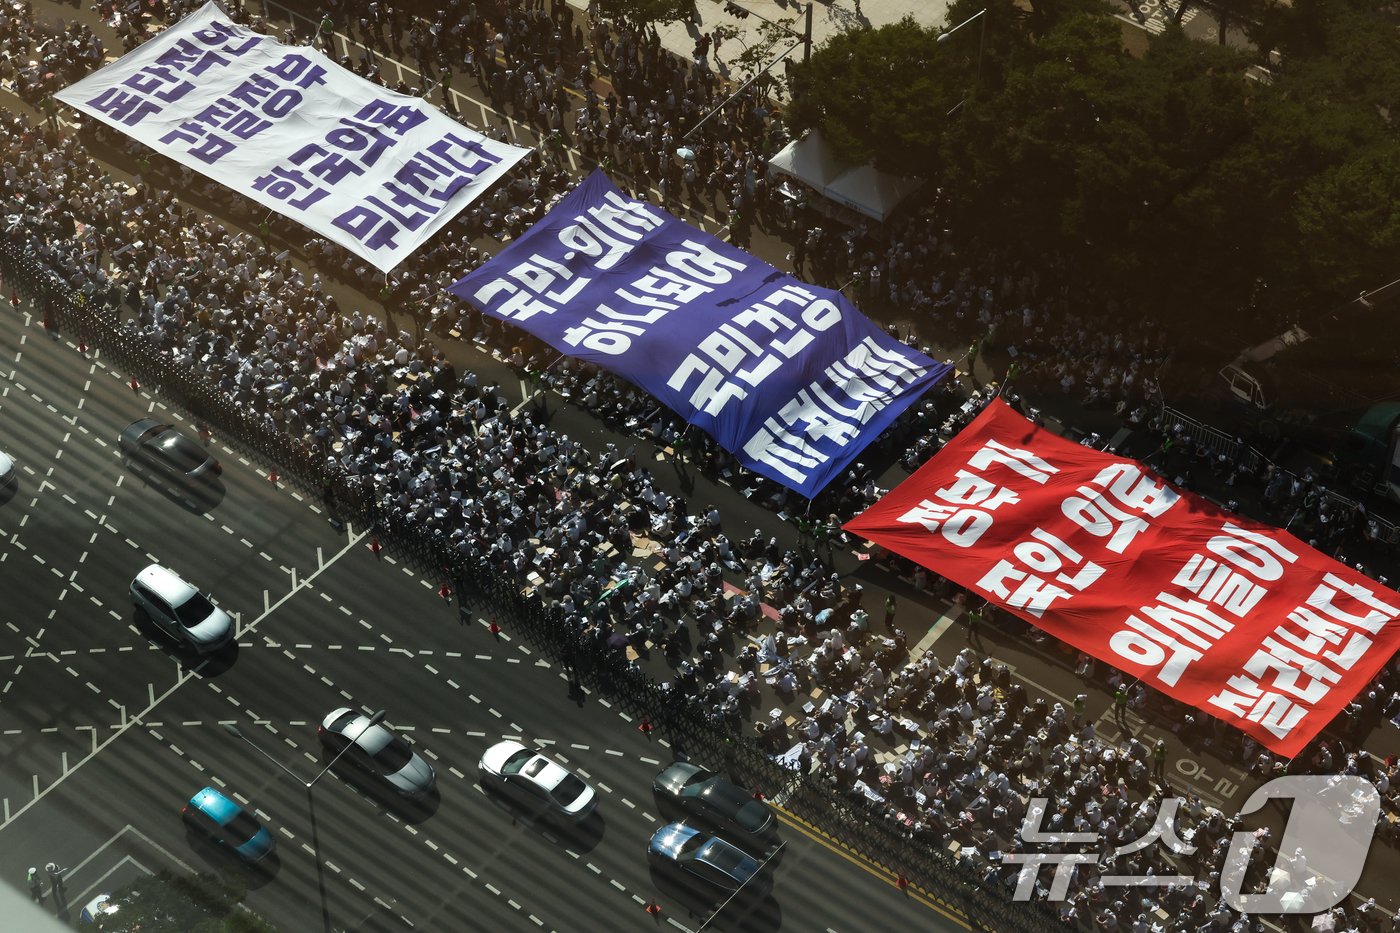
column 222, row 820
column 374, row 748
column 537, row 783
column 7, row 470
column 167, row 449
column 180, row 609
column 698, row 856
column 714, row 801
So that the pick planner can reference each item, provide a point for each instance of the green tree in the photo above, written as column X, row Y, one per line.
column 759, row 47
column 879, row 95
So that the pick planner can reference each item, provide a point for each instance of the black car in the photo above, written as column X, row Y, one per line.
column 715, row 801
column 163, row 447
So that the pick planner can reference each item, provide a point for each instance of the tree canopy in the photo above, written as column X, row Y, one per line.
column 1169, row 176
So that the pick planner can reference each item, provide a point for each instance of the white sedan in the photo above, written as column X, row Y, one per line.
column 375, row 748
column 537, row 783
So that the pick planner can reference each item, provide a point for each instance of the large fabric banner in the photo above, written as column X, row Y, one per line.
column 1237, row 618
column 788, row 377
column 372, row 170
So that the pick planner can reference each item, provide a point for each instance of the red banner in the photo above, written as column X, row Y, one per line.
column 1237, row 618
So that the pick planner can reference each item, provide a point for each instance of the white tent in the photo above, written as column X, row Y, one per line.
column 862, row 188
column 872, row 192
column 809, row 160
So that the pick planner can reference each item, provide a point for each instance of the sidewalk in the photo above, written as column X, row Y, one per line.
column 828, row 18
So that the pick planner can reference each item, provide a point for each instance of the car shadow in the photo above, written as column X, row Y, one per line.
column 581, row 838
column 745, row 913
column 380, row 795
column 210, row 664
column 195, row 496
column 225, row 862
column 9, row 490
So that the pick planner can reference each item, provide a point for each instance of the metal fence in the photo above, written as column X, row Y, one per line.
column 688, row 724
column 1239, row 452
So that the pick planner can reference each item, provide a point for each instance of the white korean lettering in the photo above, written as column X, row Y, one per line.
column 1024, row 462
column 1374, row 613
column 1149, row 648
column 1092, row 511
column 971, row 489
column 961, row 527
column 1260, row 555
column 1216, row 583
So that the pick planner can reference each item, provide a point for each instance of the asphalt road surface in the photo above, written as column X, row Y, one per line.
column 108, row 728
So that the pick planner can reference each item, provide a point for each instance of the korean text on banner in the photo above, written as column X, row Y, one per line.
column 372, row 170
column 788, row 377
column 1234, row 617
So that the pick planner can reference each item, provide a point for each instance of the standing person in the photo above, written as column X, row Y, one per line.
column 1159, row 760
column 889, row 611
column 1120, row 705
column 36, row 887
column 1081, row 702
column 974, row 619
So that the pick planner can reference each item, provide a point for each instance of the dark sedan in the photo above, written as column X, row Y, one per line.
column 710, row 798
column 707, row 859
column 163, row 447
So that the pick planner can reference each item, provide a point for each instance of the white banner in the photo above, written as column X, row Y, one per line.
column 372, row 170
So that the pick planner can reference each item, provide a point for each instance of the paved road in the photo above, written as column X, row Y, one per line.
column 107, row 729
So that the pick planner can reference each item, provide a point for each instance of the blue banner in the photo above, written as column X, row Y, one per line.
column 788, row 377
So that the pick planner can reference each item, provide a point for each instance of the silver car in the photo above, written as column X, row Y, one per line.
column 375, row 748
column 180, row 610
column 7, row 470
column 537, row 783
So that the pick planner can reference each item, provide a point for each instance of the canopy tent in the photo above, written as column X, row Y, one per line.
column 809, row 160
column 872, row 192
column 862, row 188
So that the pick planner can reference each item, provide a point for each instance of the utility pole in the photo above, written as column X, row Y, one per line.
column 807, row 36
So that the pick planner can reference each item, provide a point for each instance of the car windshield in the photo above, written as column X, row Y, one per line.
column 194, row 610
column 693, row 783
column 569, row 789
column 182, row 452
column 725, row 858
column 690, row 847
column 241, row 828
column 515, row 762
column 393, row 756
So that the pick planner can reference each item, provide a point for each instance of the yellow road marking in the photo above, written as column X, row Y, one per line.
column 879, row 871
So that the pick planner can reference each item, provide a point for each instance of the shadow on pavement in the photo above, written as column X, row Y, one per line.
column 195, row 496
column 201, row 665
column 581, row 838
column 380, row 794
column 700, row 903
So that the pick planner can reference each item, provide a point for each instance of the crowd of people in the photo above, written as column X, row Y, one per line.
column 760, row 629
